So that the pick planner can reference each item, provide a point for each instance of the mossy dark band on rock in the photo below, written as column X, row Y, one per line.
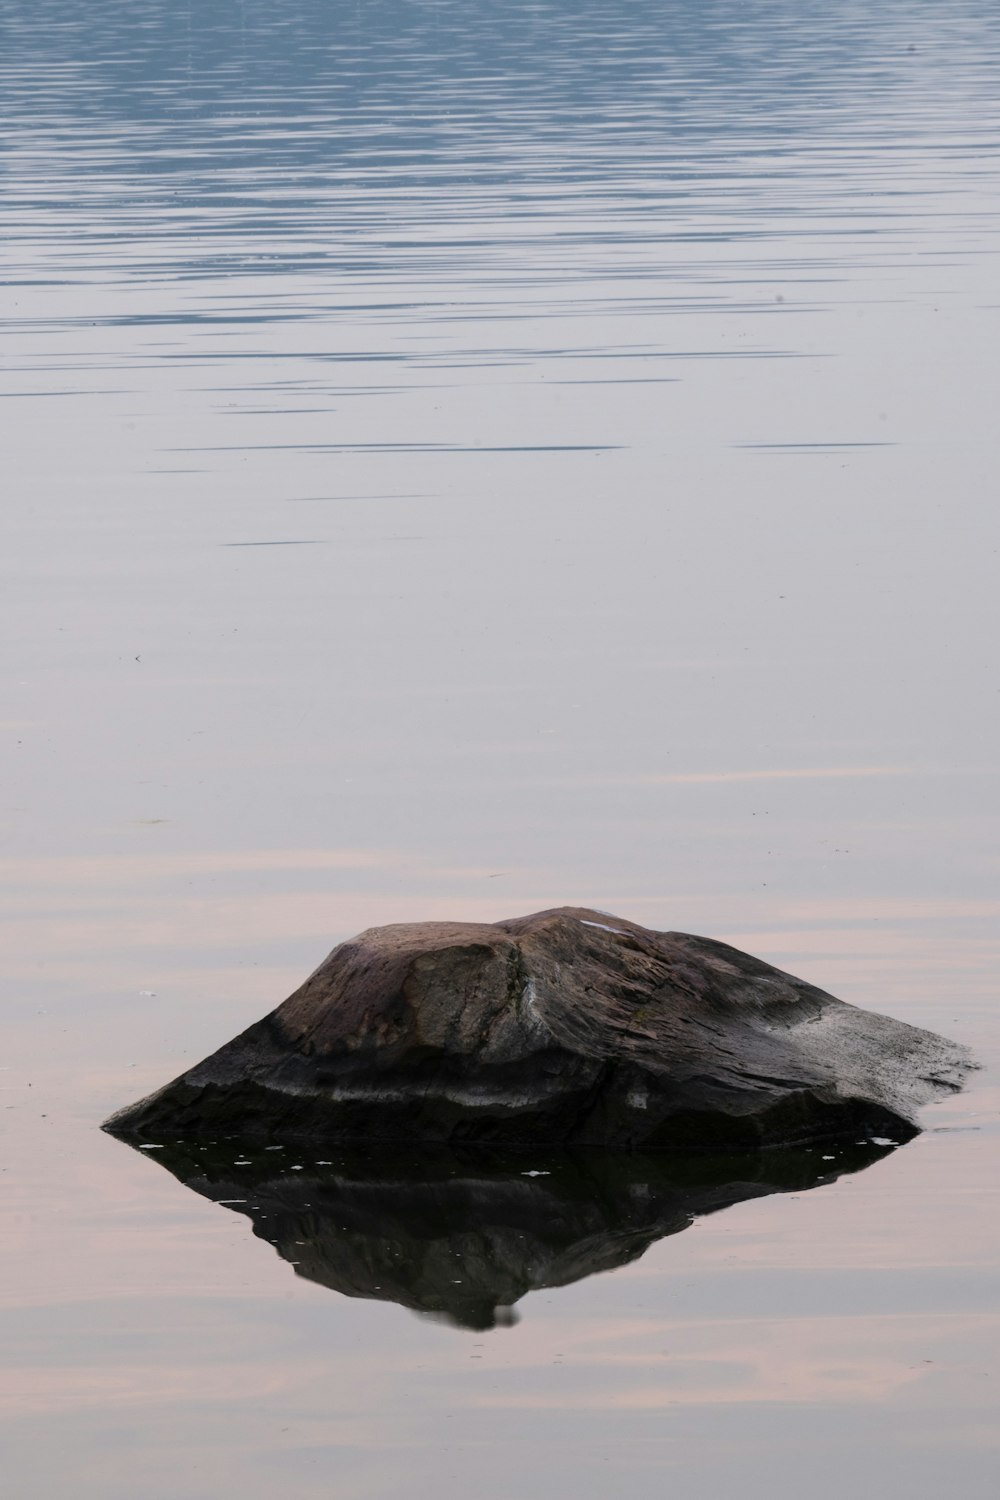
column 568, row 1027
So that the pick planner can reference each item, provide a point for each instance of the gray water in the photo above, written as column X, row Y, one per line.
column 460, row 459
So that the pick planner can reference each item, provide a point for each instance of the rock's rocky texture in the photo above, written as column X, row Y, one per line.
column 567, row 1027
column 462, row 1236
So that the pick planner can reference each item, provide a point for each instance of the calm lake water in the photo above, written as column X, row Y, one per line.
column 460, row 459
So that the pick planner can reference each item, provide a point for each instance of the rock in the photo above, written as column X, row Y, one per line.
column 568, row 1027
column 463, row 1236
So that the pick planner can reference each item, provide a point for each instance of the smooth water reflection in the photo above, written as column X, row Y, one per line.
column 465, row 1237
column 461, row 459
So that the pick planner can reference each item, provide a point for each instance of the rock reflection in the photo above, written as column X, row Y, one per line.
column 463, row 1237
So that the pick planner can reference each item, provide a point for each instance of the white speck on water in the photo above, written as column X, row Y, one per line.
column 150, row 1148
column 536, row 1174
column 232, row 1200
column 829, row 1158
column 883, row 1140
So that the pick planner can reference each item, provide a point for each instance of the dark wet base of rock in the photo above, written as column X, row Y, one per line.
column 263, row 1115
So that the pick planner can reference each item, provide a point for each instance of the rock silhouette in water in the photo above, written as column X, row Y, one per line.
column 463, row 1236
column 567, row 1027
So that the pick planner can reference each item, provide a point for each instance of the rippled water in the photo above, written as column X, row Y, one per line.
column 460, row 459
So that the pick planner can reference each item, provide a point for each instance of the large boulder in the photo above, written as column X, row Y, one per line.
column 567, row 1027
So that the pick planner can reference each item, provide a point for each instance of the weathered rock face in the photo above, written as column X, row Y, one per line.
column 463, row 1236
column 567, row 1027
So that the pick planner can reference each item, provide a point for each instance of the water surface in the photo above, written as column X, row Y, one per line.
column 460, row 459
